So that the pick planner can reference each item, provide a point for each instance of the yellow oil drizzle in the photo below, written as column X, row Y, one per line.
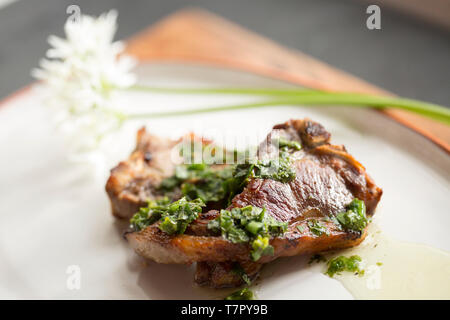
column 397, row 270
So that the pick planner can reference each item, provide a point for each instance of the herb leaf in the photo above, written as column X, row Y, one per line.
column 277, row 169
column 174, row 217
column 355, row 217
column 212, row 184
column 288, row 144
column 317, row 228
column 248, row 224
column 198, row 181
column 243, row 294
column 180, row 214
column 261, row 247
column 150, row 214
column 342, row 263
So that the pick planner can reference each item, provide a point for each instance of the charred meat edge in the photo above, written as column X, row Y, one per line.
column 215, row 253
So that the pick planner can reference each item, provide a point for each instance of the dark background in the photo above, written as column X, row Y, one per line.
column 407, row 56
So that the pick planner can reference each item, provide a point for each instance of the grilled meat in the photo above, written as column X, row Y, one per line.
column 327, row 179
column 134, row 182
column 225, row 274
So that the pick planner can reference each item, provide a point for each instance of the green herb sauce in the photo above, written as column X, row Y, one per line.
column 354, row 218
column 150, row 214
column 317, row 228
column 248, row 224
column 342, row 263
column 221, row 184
column 277, row 169
column 174, row 217
column 201, row 184
column 198, row 181
column 288, row 144
column 243, row 294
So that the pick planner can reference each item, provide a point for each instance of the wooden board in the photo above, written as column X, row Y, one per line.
column 200, row 37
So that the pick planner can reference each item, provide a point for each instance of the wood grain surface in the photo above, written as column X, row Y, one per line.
column 200, row 37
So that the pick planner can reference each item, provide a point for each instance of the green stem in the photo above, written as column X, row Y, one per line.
column 313, row 97
column 204, row 110
column 238, row 91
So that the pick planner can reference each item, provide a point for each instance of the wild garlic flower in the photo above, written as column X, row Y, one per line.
column 82, row 72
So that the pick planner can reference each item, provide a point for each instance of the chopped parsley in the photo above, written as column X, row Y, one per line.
column 198, row 181
column 174, row 217
column 201, row 184
column 279, row 169
column 196, row 151
column 261, row 247
column 288, row 144
column 342, row 263
column 317, row 228
column 248, row 224
column 207, row 183
column 243, row 294
column 150, row 214
column 220, row 184
column 354, row 218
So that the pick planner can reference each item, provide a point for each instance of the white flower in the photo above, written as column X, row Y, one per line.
column 82, row 72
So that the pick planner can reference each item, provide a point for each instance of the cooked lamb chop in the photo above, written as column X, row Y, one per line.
column 134, row 182
column 327, row 179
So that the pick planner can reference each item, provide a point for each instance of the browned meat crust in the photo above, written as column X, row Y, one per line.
column 327, row 179
column 223, row 275
column 155, row 244
column 132, row 182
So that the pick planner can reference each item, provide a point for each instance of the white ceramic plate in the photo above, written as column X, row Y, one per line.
column 55, row 213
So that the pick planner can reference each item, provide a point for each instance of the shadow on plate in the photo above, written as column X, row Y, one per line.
column 172, row 281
